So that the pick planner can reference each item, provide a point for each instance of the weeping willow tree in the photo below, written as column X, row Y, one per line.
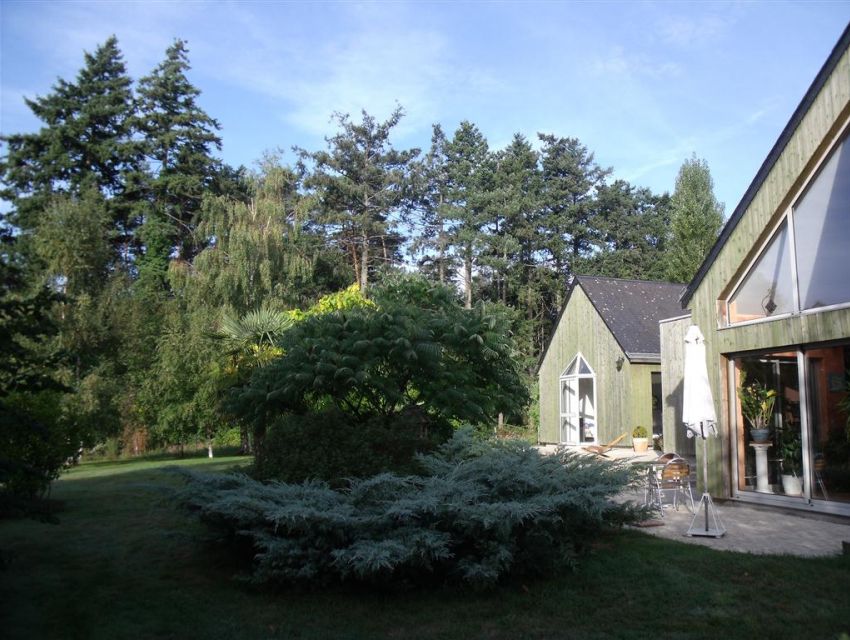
column 263, row 249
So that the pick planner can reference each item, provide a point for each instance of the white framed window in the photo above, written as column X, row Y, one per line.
column 577, row 392
column 802, row 266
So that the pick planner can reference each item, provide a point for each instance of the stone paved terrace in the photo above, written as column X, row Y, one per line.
column 749, row 528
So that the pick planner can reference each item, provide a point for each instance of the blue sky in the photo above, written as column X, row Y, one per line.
column 642, row 85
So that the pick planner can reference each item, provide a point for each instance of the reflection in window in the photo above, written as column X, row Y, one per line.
column 781, row 453
column 822, row 231
column 767, row 289
column 829, row 416
column 813, row 455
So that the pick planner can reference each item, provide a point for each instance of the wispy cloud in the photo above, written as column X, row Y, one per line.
column 374, row 64
column 619, row 62
column 693, row 30
column 144, row 30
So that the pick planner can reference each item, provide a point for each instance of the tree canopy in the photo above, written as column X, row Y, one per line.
column 138, row 245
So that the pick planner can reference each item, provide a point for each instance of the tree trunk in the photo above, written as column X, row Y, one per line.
column 364, row 265
column 244, row 440
column 356, row 262
column 441, row 246
column 504, row 278
column 467, row 281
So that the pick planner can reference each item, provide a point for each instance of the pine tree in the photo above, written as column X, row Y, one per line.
column 178, row 140
column 85, row 144
column 469, row 168
column 695, row 220
column 633, row 225
column 512, row 219
column 432, row 179
column 570, row 180
column 360, row 182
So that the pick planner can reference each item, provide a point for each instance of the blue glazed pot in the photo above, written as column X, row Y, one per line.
column 759, row 436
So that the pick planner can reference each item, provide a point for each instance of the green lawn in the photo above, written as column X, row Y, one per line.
column 125, row 563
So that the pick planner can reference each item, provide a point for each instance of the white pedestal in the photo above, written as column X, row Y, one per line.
column 762, row 484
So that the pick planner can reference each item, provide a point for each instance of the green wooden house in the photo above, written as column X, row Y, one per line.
column 599, row 376
column 773, row 301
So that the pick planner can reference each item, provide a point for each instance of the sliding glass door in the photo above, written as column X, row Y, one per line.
column 804, row 401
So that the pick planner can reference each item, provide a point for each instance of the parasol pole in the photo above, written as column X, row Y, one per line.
column 704, row 466
column 706, row 502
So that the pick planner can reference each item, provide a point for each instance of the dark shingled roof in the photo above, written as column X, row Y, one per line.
column 632, row 309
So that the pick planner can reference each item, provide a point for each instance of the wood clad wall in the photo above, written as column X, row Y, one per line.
column 581, row 329
column 672, row 378
column 641, row 397
column 816, row 133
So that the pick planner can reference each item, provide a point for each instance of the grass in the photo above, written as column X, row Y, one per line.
column 124, row 562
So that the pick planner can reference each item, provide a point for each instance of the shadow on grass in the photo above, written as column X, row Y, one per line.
column 160, row 456
column 126, row 562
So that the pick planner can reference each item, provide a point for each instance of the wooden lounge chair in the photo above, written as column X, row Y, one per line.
column 603, row 449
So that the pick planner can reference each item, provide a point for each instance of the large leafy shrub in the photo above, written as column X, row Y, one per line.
column 479, row 511
column 417, row 347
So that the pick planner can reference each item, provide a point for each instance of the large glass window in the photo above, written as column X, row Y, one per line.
column 771, row 377
column 829, row 422
column 806, row 452
column 819, row 253
column 822, row 232
column 767, row 289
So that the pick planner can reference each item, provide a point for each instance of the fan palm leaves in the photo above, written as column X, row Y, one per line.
column 251, row 339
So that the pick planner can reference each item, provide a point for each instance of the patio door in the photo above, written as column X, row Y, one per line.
column 807, row 454
column 578, row 403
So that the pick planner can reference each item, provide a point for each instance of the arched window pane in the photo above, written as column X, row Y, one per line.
column 822, row 234
column 767, row 289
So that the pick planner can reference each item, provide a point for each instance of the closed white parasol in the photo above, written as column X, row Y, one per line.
column 700, row 420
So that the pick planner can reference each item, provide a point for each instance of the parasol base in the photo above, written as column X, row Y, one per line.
column 715, row 529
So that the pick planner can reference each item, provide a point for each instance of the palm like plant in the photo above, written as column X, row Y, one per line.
column 251, row 339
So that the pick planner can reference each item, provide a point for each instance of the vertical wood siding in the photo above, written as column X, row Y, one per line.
column 815, row 134
column 623, row 397
column 672, row 379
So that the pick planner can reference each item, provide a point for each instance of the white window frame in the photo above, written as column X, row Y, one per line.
column 809, row 500
column 787, row 216
column 577, row 376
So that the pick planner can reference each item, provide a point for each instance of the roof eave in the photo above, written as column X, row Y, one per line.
column 644, row 358
column 769, row 162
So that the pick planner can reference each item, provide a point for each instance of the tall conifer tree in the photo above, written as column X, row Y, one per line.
column 363, row 185
column 570, row 180
column 433, row 189
column 85, row 144
column 695, row 220
column 178, row 138
column 469, row 169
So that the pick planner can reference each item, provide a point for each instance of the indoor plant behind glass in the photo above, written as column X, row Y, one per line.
column 791, row 450
column 757, row 406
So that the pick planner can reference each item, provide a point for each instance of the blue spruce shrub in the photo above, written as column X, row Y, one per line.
column 478, row 512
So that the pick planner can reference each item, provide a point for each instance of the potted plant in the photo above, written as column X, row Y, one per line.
column 791, row 451
column 640, row 439
column 757, row 406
